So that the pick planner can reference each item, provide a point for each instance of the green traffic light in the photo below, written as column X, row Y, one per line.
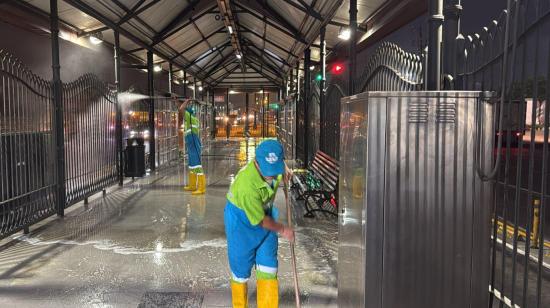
column 318, row 77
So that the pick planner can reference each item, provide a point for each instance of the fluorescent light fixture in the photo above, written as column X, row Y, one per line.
column 94, row 40
column 312, row 67
column 157, row 68
column 230, row 29
column 232, row 92
column 176, row 81
column 344, row 34
column 239, row 56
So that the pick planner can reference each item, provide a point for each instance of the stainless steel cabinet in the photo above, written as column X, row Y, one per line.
column 415, row 217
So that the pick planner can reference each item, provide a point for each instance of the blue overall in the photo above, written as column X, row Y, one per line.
column 247, row 244
column 193, row 144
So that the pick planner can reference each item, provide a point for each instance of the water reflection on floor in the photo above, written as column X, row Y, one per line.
column 149, row 243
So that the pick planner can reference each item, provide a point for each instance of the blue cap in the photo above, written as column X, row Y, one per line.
column 270, row 158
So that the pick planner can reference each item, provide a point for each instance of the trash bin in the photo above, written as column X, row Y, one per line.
column 135, row 157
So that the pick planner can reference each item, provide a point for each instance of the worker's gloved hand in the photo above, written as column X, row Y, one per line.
column 288, row 233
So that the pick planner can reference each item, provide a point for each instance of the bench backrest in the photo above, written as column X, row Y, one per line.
column 326, row 169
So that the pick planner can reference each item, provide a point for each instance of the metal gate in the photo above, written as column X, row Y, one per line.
column 511, row 56
column 89, row 108
column 28, row 157
column 27, row 147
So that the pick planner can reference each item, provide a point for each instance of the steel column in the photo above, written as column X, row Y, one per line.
column 263, row 113
column 352, row 45
column 151, row 86
column 434, row 45
column 451, row 29
column 227, row 113
column 322, row 87
column 307, row 98
column 170, row 77
column 246, row 117
column 118, row 120
column 194, row 87
column 58, row 103
column 185, row 84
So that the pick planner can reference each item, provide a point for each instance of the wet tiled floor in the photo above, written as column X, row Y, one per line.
column 149, row 244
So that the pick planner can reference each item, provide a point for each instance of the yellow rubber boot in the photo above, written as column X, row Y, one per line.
column 239, row 295
column 192, row 183
column 201, row 189
column 267, row 293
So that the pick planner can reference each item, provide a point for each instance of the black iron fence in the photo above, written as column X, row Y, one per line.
column 89, row 109
column 28, row 156
column 511, row 57
column 27, row 147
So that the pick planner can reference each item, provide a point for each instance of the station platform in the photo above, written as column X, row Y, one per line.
column 150, row 244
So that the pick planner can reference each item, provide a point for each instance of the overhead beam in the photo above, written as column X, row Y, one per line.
column 269, row 41
column 187, row 23
column 204, row 56
column 183, row 15
column 249, row 43
column 135, row 11
column 196, row 43
column 295, row 35
column 275, row 81
column 305, row 8
column 85, row 8
column 222, row 77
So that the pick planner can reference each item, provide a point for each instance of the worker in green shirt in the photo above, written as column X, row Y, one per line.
column 197, row 179
column 251, row 225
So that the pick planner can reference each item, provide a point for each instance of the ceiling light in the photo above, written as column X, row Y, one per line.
column 230, row 29
column 200, row 88
column 344, row 34
column 312, row 67
column 157, row 68
column 232, row 92
column 95, row 40
column 176, row 81
column 239, row 56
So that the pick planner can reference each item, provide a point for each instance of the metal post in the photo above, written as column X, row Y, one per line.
column 227, row 112
column 58, row 103
column 170, row 77
column 194, row 87
column 322, row 88
column 151, row 85
column 451, row 29
column 434, row 46
column 214, row 128
column 291, row 81
column 118, row 124
column 307, row 98
column 263, row 113
column 298, row 79
column 352, row 45
column 185, row 84
column 246, row 117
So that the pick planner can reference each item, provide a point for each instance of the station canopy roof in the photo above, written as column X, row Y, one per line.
column 266, row 39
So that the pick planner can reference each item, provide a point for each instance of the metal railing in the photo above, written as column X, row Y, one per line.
column 27, row 147
column 511, row 56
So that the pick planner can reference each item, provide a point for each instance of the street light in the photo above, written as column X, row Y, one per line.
column 344, row 34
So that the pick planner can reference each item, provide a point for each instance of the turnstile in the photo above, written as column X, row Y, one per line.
column 415, row 216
